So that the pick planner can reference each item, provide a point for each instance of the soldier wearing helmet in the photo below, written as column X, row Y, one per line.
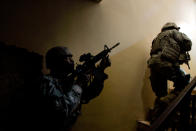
column 170, row 25
column 169, row 50
column 59, row 61
column 61, row 96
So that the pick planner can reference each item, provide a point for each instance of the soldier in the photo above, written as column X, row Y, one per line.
column 168, row 52
column 62, row 96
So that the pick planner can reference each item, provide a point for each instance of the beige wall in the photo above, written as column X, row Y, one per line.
column 84, row 26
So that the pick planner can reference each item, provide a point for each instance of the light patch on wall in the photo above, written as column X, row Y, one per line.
column 188, row 28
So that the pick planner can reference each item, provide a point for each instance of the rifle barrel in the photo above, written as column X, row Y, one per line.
column 117, row 44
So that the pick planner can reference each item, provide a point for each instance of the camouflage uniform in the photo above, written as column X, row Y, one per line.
column 59, row 109
column 168, row 52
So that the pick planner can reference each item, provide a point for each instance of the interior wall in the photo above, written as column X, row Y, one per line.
column 84, row 26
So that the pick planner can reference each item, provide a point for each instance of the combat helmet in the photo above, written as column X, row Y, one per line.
column 170, row 25
column 55, row 55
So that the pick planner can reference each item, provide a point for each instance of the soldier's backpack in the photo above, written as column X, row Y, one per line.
column 169, row 48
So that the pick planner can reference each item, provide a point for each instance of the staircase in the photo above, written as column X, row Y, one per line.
column 179, row 103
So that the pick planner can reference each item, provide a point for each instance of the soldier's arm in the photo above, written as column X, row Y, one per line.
column 185, row 46
column 187, row 43
column 183, row 40
column 97, row 84
column 63, row 104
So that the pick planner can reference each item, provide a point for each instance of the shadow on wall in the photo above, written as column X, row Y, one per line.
column 19, row 78
column 146, row 90
column 40, row 25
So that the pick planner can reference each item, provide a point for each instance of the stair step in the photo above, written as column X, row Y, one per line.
column 143, row 125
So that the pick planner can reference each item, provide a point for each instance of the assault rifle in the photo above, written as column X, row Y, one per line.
column 89, row 61
column 184, row 58
column 187, row 59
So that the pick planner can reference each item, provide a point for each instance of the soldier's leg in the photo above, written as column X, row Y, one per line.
column 159, row 86
column 180, row 81
column 158, row 83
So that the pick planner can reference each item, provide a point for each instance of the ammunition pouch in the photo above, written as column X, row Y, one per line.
column 170, row 50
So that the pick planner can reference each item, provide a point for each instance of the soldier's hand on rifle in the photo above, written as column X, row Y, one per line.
column 83, row 79
column 105, row 62
column 182, row 58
